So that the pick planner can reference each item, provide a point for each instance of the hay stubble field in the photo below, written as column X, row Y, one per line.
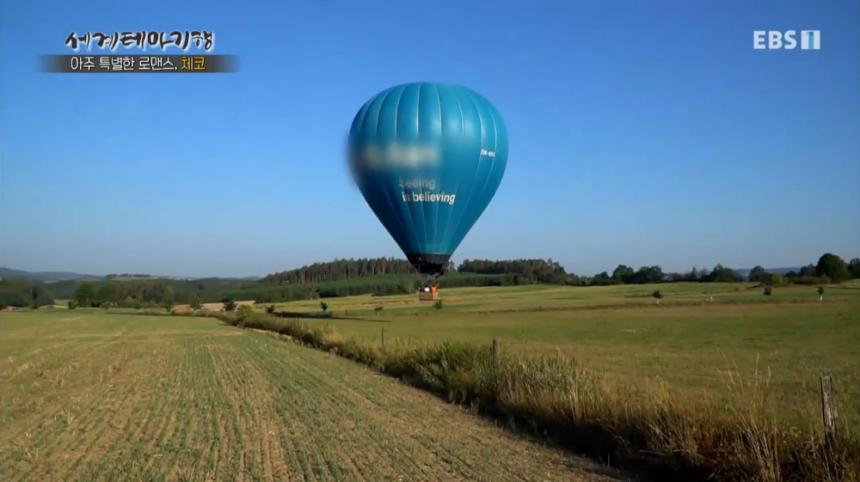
column 96, row 394
column 87, row 395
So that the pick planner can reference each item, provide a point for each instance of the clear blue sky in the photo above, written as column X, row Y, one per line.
column 640, row 133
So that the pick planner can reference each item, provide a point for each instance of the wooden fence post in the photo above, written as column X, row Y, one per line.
column 497, row 348
column 828, row 408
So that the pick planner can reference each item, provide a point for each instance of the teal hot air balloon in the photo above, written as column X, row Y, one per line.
column 428, row 157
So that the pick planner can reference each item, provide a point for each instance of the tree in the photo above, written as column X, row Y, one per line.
column 72, row 304
column 107, row 292
column 85, row 295
column 768, row 290
column 694, row 275
column 808, row 270
column 820, row 293
column 657, row 295
column 763, row 277
column 39, row 296
column 195, row 303
column 647, row 274
column 774, row 279
column 158, row 293
column 757, row 274
column 622, row 273
column 574, row 280
column 229, row 304
column 854, row 267
column 12, row 293
column 601, row 278
column 833, row 267
column 724, row 274
column 323, row 306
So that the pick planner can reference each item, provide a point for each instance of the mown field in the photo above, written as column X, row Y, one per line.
column 88, row 395
column 703, row 340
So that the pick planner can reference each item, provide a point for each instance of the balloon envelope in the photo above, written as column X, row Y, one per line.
column 428, row 158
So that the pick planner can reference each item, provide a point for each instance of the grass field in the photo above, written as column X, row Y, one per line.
column 698, row 342
column 87, row 395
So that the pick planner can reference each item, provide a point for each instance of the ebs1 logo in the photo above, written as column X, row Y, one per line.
column 786, row 40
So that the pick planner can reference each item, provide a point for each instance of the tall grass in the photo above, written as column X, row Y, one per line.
column 648, row 431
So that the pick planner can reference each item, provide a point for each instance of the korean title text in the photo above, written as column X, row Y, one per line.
column 181, row 39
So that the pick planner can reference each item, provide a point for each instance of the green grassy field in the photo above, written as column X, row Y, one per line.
column 89, row 394
column 93, row 396
column 698, row 342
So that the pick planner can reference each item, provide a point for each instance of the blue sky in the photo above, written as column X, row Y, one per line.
column 639, row 134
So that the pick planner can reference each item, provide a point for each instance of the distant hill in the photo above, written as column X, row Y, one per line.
column 44, row 276
column 56, row 276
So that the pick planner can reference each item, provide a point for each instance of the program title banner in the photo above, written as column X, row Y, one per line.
column 91, row 61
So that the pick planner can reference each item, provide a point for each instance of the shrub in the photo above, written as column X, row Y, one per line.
column 229, row 304
column 243, row 314
column 768, row 290
column 72, row 304
column 438, row 305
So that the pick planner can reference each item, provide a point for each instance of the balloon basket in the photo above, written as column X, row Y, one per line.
column 428, row 295
column 429, row 290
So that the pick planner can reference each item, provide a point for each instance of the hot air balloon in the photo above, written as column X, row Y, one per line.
column 428, row 158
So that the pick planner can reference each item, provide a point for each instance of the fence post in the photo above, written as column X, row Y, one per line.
column 497, row 348
column 383, row 337
column 828, row 408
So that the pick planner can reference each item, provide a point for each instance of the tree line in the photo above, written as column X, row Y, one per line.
column 383, row 276
column 522, row 271
column 24, row 293
column 829, row 268
column 145, row 292
column 340, row 269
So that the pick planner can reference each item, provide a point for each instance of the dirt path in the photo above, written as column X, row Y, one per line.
column 175, row 398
